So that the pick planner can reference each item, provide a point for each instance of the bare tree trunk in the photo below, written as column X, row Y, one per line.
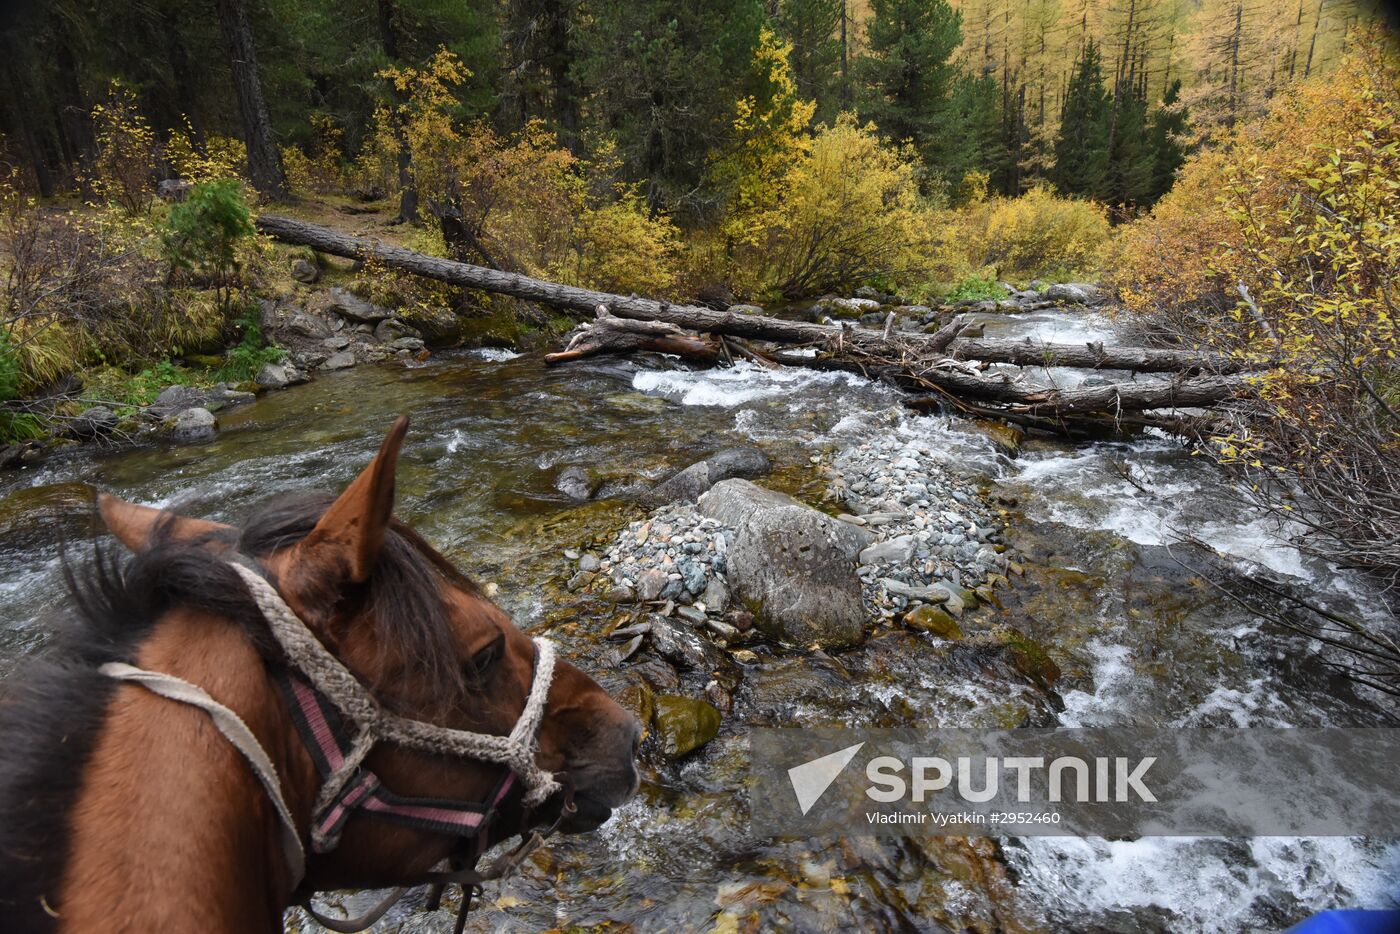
column 921, row 361
column 389, row 42
column 22, row 122
column 1312, row 43
column 1235, row 65
column 264, row 161
column 845, row 57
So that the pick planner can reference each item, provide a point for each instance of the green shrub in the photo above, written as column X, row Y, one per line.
column 9, row 368
column 244, row 359
column 202, row 233
column 975, row 287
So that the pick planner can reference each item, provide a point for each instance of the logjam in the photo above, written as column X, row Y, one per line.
column 951, row 367
column 610, row 334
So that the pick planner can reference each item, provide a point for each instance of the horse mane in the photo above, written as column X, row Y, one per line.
column 51, row 716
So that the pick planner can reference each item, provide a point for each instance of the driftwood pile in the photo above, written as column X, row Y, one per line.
column 948, row 369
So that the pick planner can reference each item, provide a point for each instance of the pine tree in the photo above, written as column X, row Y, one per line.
column 264, row 160
column 1081, row 149
column 1131, row 158
column 1169, row 122
column 812, row 28
column 538, row 36
column 654, row 73
column 906, row 75
column 970, row 141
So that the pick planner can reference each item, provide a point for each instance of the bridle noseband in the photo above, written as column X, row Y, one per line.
column 340, row 721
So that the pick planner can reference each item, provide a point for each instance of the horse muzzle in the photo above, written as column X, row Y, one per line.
column 605, row 783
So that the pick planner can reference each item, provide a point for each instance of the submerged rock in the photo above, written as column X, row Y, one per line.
column 793, row 566
column 935, row 620
column 690, row 483
column 175, row 399
column 1023, row 654
column 684, row 724
column 192, row 425
column 573, row 481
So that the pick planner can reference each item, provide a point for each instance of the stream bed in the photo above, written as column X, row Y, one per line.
column 1139, row 639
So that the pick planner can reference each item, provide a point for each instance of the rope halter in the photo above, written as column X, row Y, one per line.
column 340, row 721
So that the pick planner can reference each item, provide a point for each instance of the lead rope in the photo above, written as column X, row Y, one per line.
column 239, row 736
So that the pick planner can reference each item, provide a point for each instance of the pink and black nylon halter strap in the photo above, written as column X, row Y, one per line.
column 327, row 739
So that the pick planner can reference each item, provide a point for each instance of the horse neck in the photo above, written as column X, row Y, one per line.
column 171, row 829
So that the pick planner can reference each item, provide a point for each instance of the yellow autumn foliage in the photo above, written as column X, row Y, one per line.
column 322, row 169
column 123, row 170
column 1282, row 250
column 218, row 157
column 522, row 201
column 618, row 248
column 1039, row 234
column 850, row 212
column 769, row 136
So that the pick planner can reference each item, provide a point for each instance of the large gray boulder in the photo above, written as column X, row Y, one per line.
column 790, row 565
column 305, row 271
column 392, row 329
column 1075, row 293
column 192, row 425
column 279, row 375
column 349, row 305
column 688, row 484
column 94, row 422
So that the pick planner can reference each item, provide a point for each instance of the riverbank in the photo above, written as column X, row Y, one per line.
column 321, row 323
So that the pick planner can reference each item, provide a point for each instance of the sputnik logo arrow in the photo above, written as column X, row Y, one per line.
column 811, row 779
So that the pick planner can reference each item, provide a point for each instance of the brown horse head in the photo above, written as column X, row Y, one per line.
column 411, row 628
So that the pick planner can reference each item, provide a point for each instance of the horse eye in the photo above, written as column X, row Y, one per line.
column 483, row 660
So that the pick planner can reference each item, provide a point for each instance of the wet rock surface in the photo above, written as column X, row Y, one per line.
column 688, row 485
column 939, row 539
column 792, row 566
column 192, row 425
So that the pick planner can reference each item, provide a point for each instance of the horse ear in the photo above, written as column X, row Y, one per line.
column 351, row 534
column 135, row 526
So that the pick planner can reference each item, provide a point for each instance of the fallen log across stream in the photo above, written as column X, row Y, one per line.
column 948, row 364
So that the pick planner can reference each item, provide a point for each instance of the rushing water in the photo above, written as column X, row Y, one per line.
column 1139, row 639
